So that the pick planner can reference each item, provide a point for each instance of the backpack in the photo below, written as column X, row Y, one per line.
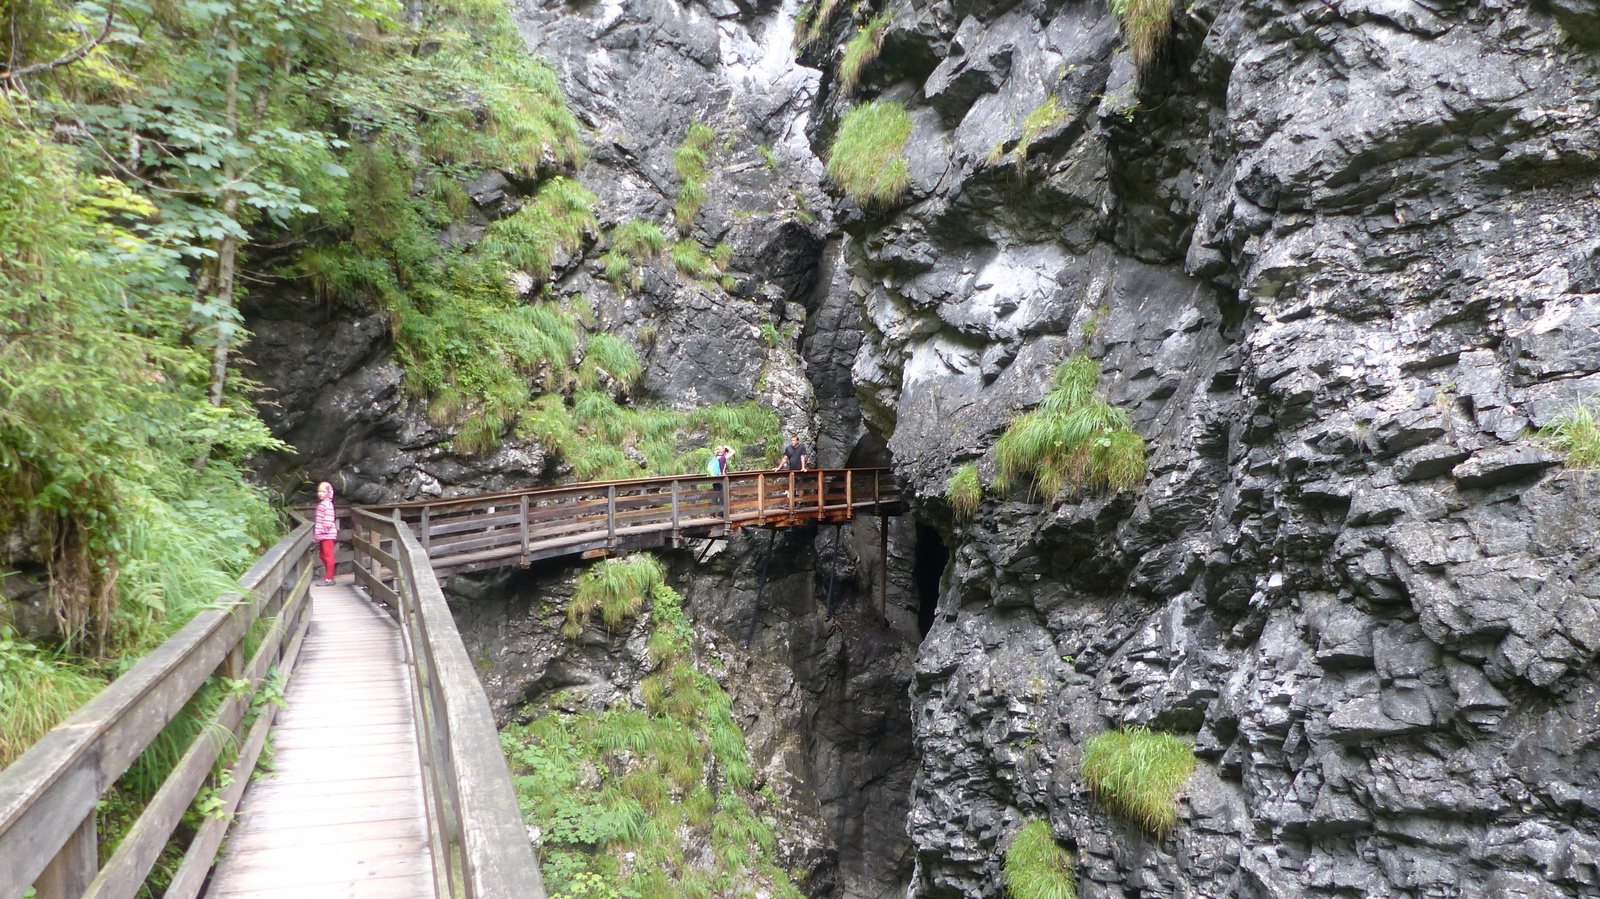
column 713, row 467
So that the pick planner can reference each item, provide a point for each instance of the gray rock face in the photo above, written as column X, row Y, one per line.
column 1335, row 264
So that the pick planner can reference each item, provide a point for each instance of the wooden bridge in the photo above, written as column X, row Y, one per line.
column 387, row 778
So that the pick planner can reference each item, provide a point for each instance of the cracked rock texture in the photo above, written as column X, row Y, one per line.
column 1336, row 262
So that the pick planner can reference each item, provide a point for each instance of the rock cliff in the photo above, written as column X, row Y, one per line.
column 1336, row 262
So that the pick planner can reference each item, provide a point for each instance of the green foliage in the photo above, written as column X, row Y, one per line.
column 614, row 357
column 1146, row 25
column 692, row 260
column 808, row 27
column 629, row 780
column 617, row 588
column 1074, row 441
column 767, row 158
column 1045, row 116
column 632, row 242
column 596, row 434
column 553, row 222
column 1577, row 434
column 866, row 159
column 862, row 49
column 1036, row 867
column 691, row 161
column 964, row 492
column 1138, row 773
column 38, row 688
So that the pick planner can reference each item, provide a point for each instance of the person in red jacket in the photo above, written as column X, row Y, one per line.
column 325, row 528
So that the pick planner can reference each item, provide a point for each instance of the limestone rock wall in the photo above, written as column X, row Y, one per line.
column 1336, row 262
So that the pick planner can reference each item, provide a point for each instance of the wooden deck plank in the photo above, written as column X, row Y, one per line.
column 341, row 812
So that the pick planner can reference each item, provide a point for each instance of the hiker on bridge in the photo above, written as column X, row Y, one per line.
column 794, row 456
column 325, row 528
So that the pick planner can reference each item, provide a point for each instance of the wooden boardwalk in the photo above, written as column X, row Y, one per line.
column 342, row 814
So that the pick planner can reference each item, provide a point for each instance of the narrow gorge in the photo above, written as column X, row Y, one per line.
column 1336, row 264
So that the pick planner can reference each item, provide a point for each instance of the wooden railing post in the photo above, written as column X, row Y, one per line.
column 761, row 498
column 792, row 499
column 426, row 543
column 849, row 493
column 522, row 526
column 677, row 530
column 611, row 516
column 727, row 504
column 69, row 874
column 822, row 496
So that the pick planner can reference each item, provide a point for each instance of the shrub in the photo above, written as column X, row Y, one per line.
column 1074, row 441
column 862, row 50
column 964, row 492
column 691, row 160
column 1137, row 773
column 1145, row 26
column 866, row 159
column 1036, row 867
column 1577, row 434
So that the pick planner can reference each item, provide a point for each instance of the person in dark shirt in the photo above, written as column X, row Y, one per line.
column 794, row 456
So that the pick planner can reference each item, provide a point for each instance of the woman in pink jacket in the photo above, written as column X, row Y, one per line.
column 326, row 529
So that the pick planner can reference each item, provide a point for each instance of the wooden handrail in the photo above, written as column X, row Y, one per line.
column 48, row 795
column 522, row 526
column 472, row 806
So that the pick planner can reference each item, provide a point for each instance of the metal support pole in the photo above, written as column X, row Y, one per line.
column 772, row 536
column 833, row 571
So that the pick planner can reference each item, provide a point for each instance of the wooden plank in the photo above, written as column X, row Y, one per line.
column 69, row 874
column 345, row 776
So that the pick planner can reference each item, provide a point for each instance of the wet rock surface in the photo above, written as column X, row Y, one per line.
column 1336, row 264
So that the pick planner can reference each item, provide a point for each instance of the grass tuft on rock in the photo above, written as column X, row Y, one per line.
column 617, row 587
column 1075, row 441
column 1045, row 116
column 862, row 50
column 553, row 222
column 692, row 161
column 1137, row 773
column 964, row 491
column 1036, row 867
column 867, row 159
column 613, row 356
column 632, row 242
column 1576, row 434
column 1146, row 25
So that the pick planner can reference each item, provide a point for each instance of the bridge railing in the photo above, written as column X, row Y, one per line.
column 480, row 843
column 485, row 530
column 48, row 795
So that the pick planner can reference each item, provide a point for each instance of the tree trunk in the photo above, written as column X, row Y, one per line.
column 228, row 250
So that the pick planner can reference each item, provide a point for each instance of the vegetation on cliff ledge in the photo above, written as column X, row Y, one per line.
column 867, row 159
column 1576, row 434
column 1138, row 773
column 648, row 798
column 1075, row 441
column 1036, row 867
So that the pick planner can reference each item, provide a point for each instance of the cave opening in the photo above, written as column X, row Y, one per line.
column 927, row 567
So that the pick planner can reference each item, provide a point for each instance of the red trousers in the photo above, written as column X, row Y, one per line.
column 327, row 558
